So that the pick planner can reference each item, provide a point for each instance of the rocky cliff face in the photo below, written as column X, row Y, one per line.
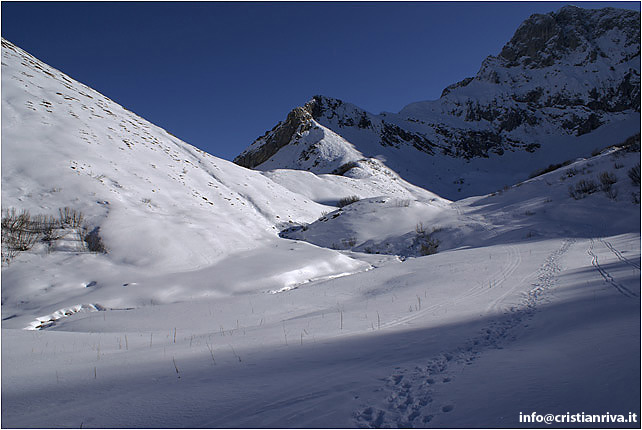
column 298, row 121
column 562, row 75
column 543, row 40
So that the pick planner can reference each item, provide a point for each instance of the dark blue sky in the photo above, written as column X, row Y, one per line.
column 218, row 75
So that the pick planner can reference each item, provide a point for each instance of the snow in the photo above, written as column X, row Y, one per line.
column 201, row 315
column 333, row 153
column 284, row 360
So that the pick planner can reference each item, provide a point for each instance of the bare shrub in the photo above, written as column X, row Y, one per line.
column 429, row 247
column 349, row 242
column 47, row 225
column 550, row 168
column 347, row 201
column 18, row 233
column 8, row 254
column 344, row 168
column 572, row 172
column 94, row 241
column 583, row 188
column 611, row 193
column 634, row 174
column 606, row 184
column 21, row 240
column 632, row 144
column 70, row 217
column 21, row 231
column 607, row 179
column 11, row 220
column 427, row 244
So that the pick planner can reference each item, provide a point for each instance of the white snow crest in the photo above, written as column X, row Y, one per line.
column 50, row 320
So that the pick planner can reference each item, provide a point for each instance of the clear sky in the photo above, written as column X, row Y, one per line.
column 219, row 74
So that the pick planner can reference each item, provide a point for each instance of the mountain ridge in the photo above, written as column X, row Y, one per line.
column 514, row 104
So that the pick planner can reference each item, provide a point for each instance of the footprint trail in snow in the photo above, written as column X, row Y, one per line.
column 411, row 394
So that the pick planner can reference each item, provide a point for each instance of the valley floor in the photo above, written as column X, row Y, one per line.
column 470, row 337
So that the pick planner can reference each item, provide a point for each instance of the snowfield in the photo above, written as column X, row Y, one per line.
column 464, row 337
column 232, row 298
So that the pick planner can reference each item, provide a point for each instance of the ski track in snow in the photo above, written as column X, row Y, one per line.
column 618, row 254
column 410, row 394
column 608, row 278
column 514, row 261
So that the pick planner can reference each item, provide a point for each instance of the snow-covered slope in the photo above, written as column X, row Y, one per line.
column 64, row 144
column 381, row 226
column 573, row 194
column 563, row 83
column 159, row 205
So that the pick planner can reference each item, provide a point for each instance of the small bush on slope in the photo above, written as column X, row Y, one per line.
column 429, row 247
column 17, row 234
column 427, row 244
column 347, row 201
column 550, row 168
column 343, row 169
column 94, row 241
column 21, row 231
column 70, row 217
column 607, row 180
column 634, row 174
column 583, row 188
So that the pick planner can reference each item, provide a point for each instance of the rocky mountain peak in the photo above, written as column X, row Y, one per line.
column 543, row 39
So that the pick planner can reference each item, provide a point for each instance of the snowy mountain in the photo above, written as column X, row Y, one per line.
column 564, row 83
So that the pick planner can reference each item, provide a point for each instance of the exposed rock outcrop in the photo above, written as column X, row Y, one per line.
column 298, row 121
